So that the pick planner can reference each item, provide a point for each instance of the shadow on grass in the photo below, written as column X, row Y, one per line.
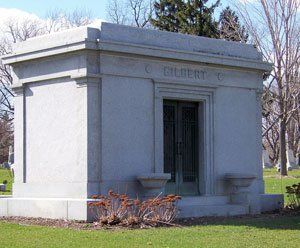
column 264, row 221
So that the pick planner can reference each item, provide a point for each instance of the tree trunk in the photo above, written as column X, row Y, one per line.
column 282, row 142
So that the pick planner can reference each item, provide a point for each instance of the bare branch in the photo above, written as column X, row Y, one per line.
column 130, row 12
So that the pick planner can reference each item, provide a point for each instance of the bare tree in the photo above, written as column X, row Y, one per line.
column 13, row 31
column 58, row 19
column 274, row 28
column 20, row 30
column 117, row 12
column 270, row 127
column 131, row 12
column 6, row 138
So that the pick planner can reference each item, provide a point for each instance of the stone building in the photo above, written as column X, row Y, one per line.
column 138, row 111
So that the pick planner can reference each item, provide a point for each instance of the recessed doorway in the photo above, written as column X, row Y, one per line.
column 181, row 146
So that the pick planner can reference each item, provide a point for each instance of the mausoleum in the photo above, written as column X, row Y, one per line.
column 140, row 112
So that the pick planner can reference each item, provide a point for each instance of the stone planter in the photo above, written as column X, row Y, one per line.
column 3, row 187
column 154, row 183
column 240, row 184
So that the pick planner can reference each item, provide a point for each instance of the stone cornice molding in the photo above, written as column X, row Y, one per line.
column 81, row 79
column 182, row 55
column 140, row 50
column 18, row 89
column 57, row 50
column 118, row 39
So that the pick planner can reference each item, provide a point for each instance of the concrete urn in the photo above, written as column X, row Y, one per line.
column 154, row 183
column 239, row 187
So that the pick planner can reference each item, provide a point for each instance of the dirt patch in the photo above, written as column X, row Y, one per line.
column 82, row 225
column 62, row 223
column 56, row 223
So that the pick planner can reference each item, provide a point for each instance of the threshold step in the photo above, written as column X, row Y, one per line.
column 203, row 200
column 186, row 211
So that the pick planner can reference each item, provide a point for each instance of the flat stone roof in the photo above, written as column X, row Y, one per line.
column 126, row 39
column 177, row 41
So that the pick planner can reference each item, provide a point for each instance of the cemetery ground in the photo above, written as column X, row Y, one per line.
column 268, row 230
column 275, row 183
column 6, row 175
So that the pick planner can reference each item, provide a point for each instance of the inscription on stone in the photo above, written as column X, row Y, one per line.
column 184, row 73
column 148, row 68
column 220, row 76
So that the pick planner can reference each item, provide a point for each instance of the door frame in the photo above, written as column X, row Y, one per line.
column 192, row 93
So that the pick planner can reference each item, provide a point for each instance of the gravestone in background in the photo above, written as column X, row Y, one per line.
column 291, row 160
column 266, row 160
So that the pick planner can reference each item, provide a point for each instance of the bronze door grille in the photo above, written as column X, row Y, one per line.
column 181, row 158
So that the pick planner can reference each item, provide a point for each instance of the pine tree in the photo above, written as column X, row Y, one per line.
column 188, row 17
column 199, row 19
column 168, row 15
column 230, row 27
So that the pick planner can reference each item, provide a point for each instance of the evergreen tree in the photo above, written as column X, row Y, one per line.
column 188, row 17
column 230, row 27
column 199, row 19
column 168, row 15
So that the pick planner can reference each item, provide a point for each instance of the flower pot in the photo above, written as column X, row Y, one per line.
column 240, row 184
column 154, row 183
column 240, row 180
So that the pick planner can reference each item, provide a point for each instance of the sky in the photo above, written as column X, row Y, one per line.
column 40, row 7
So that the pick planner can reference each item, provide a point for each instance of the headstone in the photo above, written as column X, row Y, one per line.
column 266, row 160
column 291, row 160
column 278, row 166
column 6, row 165
column 11, row 155
column 2, row 187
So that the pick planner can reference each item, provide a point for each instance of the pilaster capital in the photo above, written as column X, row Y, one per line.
column 84, row 80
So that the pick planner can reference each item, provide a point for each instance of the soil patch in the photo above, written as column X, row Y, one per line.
column 82, row 225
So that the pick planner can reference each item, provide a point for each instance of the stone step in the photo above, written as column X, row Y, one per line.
column 203, row 200
column 212, row 210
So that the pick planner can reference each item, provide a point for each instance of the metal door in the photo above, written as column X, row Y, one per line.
column 181, row 153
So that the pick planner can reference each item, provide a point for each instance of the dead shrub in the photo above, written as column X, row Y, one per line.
column 119, row 209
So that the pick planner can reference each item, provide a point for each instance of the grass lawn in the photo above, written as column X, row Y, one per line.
column 6, row 175
column 275, row 184
column 262, row 232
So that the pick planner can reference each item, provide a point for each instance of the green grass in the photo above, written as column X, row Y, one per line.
column 264, row 232
column 275, row 184
column 6, row 175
